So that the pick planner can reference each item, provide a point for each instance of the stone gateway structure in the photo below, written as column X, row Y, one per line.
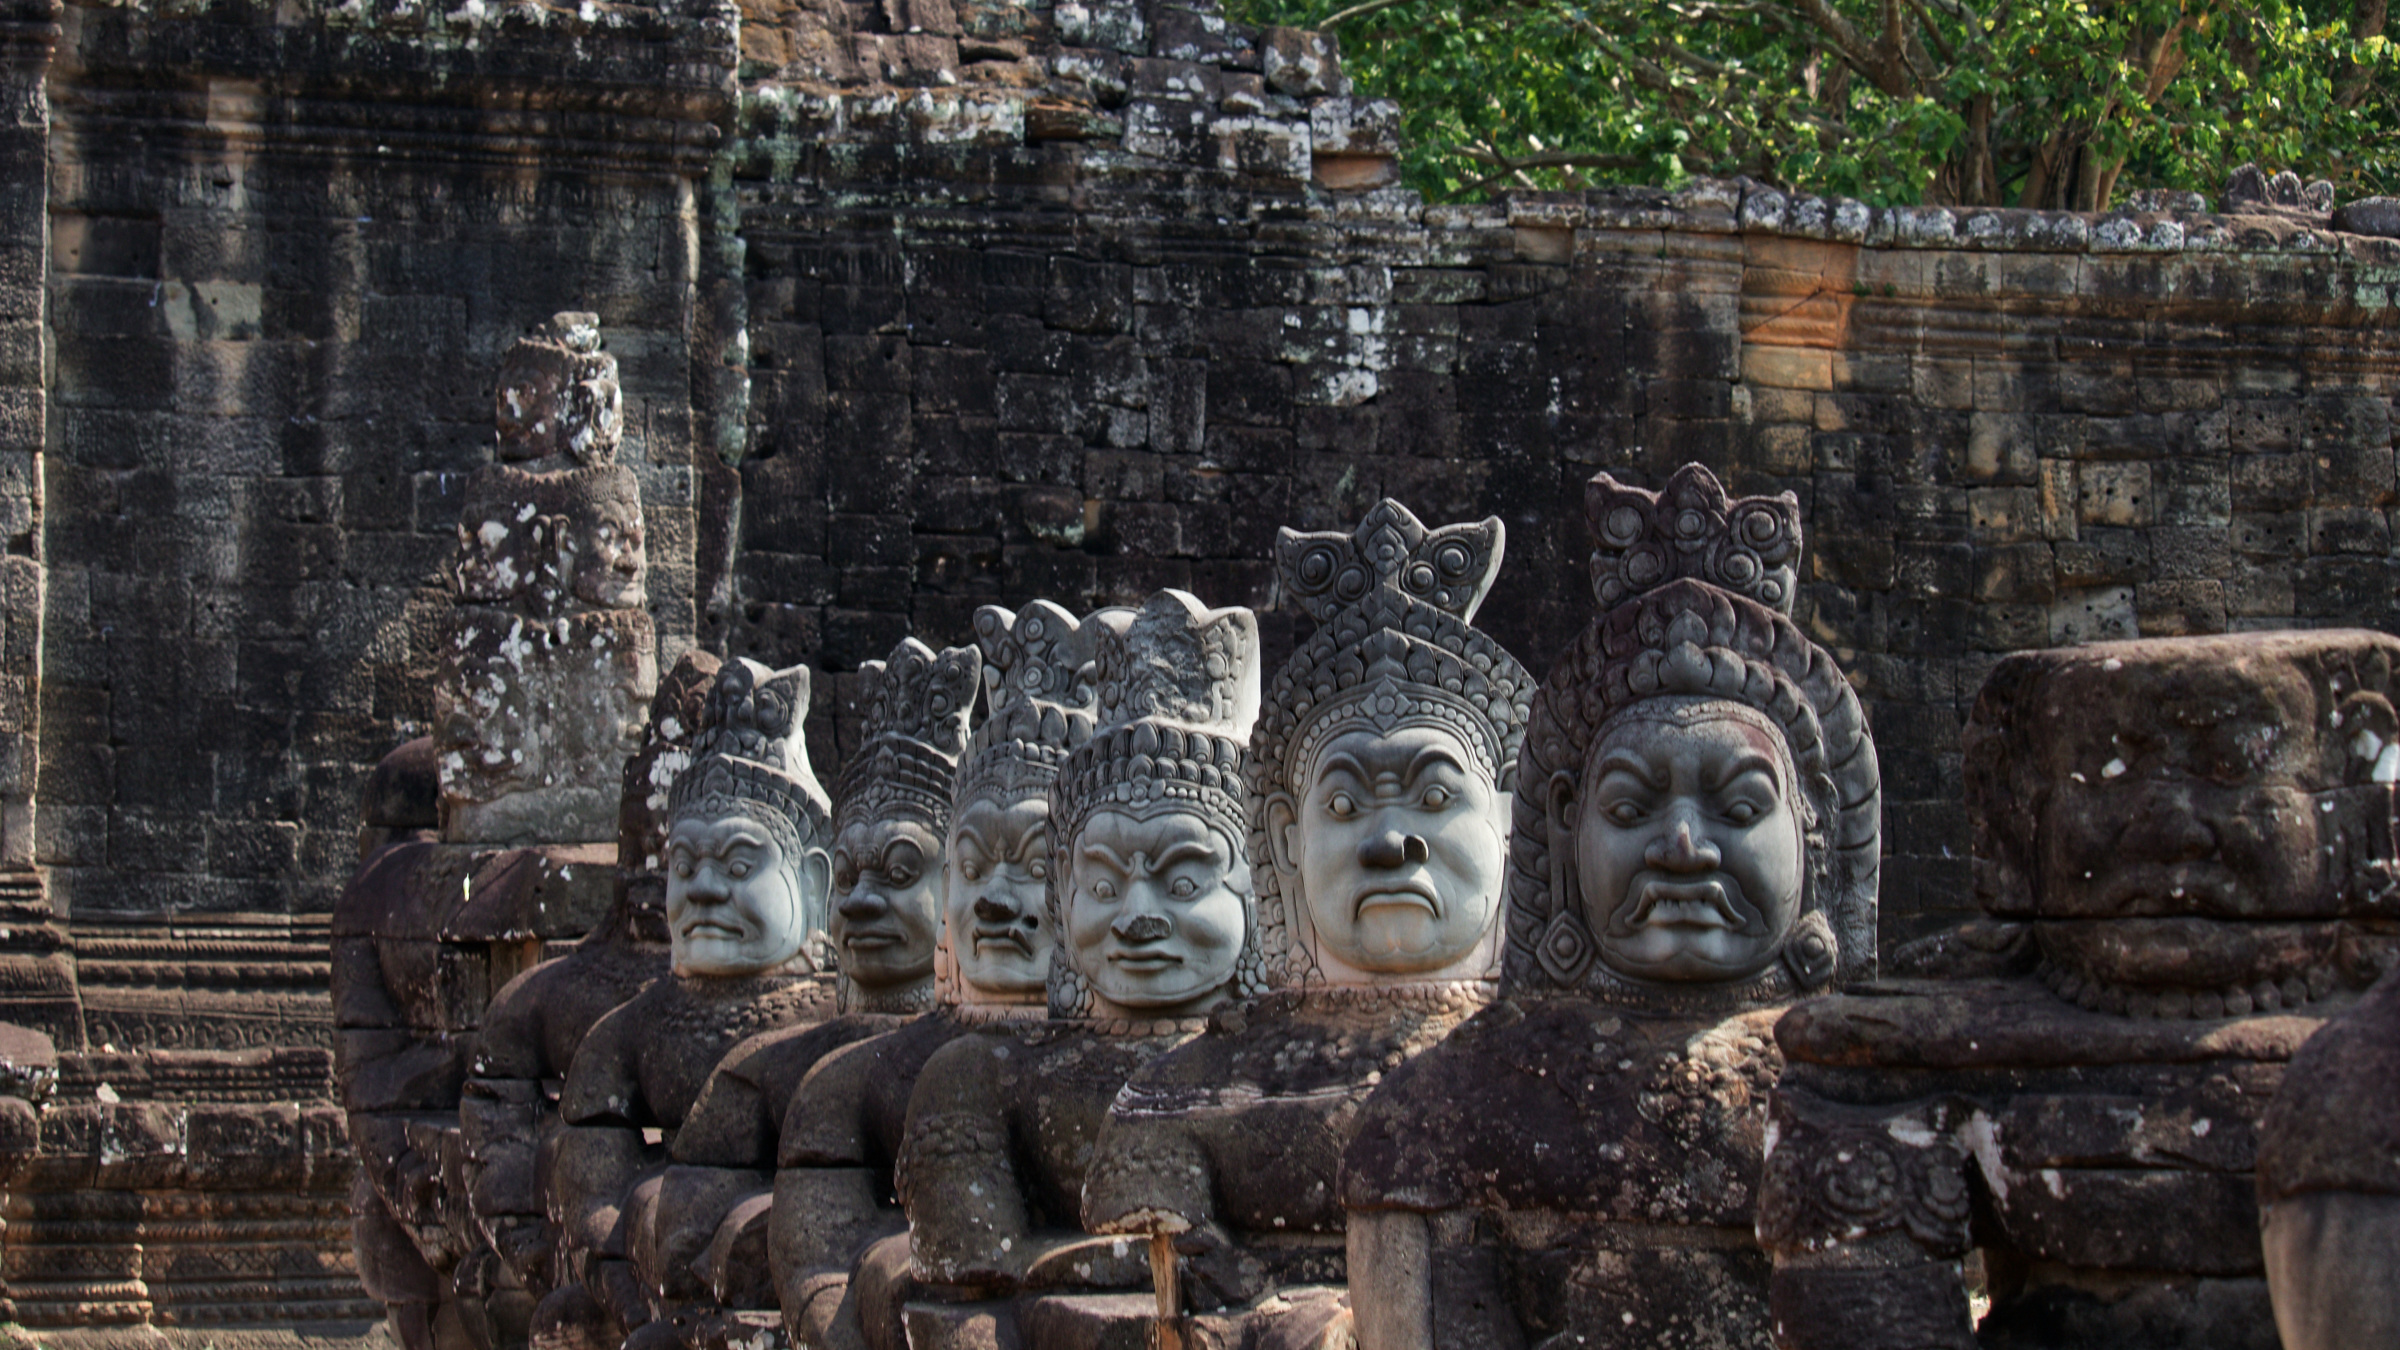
column 914, row 308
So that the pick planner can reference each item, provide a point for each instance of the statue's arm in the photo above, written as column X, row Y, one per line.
column 957, row 1173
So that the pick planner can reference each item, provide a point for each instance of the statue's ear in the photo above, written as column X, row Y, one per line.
column 1558, row 802
column 1283, row 834
column 2369, row 735
column 815, row 872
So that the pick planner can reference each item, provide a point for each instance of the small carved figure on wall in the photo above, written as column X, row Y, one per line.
column 551, row 656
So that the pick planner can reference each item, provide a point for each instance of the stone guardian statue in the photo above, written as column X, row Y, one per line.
column 747, row 863
column 701, row 1250
column 1695, row 846
column 842, row 1132
column 1379, row 821
column 1149, row 897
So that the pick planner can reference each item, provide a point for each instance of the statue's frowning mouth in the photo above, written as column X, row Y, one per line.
column 1403, row 895
column 1011, row 936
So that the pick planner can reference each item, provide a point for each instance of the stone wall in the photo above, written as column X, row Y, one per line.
column 287, row 257
column 990, row 302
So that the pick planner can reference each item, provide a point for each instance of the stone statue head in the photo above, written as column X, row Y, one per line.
column 550, row 543
column 748, row 825
column 1697, row 808
column 1037, row 682
column 892, row 822
column 2193, row 826
column 557, row 397
column 1149, row 879
column 1379, row 773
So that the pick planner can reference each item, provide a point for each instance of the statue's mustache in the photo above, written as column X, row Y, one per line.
column 1713, row 900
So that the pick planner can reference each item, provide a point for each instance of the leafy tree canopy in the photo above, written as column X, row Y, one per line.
column 2044, row 103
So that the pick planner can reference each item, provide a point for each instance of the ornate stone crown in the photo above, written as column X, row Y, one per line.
column 1698, row 588
column 558, row 394
column 1749, row 546
column 1038, row 698
column 1393, row 648
column 1176, row 693
column 916, row 730
column 750, row 757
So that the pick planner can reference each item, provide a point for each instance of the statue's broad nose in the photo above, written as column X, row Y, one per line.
column 1143, row 928
column 863, row 902
column 993, row 911
column 2167, row 831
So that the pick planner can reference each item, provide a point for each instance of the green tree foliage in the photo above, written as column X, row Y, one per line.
column 2046, row 103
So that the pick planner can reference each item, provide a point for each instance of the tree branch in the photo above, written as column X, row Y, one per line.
column 1359, row 11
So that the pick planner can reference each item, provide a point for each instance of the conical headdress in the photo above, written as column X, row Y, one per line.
column 1039, row 702
column 750, row 757
column 1393, row 648
column 916, row 730
column 1696, row 589
column 1177, row 692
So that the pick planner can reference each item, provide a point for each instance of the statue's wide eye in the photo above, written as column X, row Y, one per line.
column 1624, row 813
column 970, row 869
column 1437, row 797
column 1183, row 888
column 738, row 868
column 1340, row 806
column 1742, row 813
column 1104, row 890
column 1039, row 869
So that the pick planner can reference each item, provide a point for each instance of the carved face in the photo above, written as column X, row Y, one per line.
column 999, row 861
column 1396, row 851
column 735, row 904
column 887, row 878
column 1155, row 910
column 1688, row 846
column 2202, row 806
column 611, row 558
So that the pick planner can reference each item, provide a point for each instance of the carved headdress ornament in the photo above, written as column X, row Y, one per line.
column 1696, row 590
column 1394, row 647
column 1176, row 693
column 1038, row 698
column 750, row 757
column 915, row 732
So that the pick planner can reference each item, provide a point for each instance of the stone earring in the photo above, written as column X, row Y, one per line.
column 1810, row 953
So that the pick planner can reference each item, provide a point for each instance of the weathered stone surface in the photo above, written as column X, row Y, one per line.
column 2181, row 841
column 551, row 654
